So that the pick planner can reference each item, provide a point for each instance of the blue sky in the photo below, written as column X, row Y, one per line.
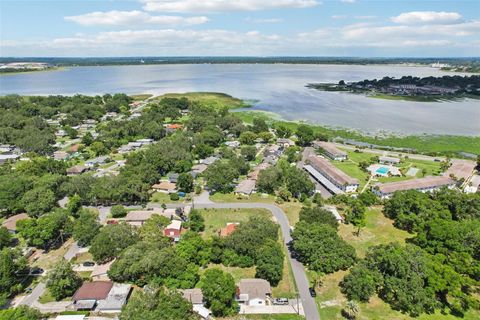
column 421, row 28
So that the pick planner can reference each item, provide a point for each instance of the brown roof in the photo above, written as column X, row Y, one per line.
column 245, row 186
column 329, row 147
column 326, row 167
column 422, row 183
column 228, row 230
column 164, row 185
column 255, row 288
column 461, row 169
column 76, row 169
column 143, row 215
column 96, row 290
column 11, row 222
column 195, row 296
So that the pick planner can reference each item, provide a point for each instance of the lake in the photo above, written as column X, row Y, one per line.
column 278, row 88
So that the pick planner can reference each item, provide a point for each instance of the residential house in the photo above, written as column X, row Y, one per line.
column 195, row 297
column 11, row 222
column 173, row 230
column 199, row 168
column 330, row 150
column 145, row 142
column 173, row 177
column 229, row 229
column 330, row 176
column 460, row 169
column 96, row 161
column 60, row 155
column 232, row 144
column 253, row 292
column 165, row 187
column 273, row 150
column 88, row 295
column 285, row 143
column 171, row 128
column 138, row 217
column 245, row 187
column 335, row 213
column 426, row 184
column 8, row 157
column 117, row 297
column 389, row 160
column 76, row 170
column 60, row 133
column 210, row 160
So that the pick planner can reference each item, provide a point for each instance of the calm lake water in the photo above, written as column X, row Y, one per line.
column 277, row 88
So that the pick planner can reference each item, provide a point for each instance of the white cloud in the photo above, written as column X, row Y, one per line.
column 128, row 18
column 348, row 1
column 427, row 17
column 339, row 16
column 266, row 20
column 223, row 5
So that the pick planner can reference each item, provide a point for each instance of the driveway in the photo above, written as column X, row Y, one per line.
column 309, row 304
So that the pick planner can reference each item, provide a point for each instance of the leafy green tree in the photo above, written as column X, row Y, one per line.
column 259, row 125
column 87, row 139
column 152, row 230
column 5, row 238
column 270, row 263
column 12, row 265
column 368, row 198
column 266, row 136
column 62, row 281
column 356, row 214
column 185, row 182
column 283, row 131
column 74, row 204
column 247, row 137
column 269, row 180
column 38, row 201
column 318, row 215
column 196, row 221
column 220, row 176
column 98, row 148
column 86, row 227
column 13, row 186
column 118, row 211
column 218, row 289
column 111, row 241
column 194, row 249
column 46, row 230
column 304, row 134
column 203, row 150
column 249, row 152
column 361, row 283
column 320, row 247
column 159, row 304
column 21, row 313
column 298, row 183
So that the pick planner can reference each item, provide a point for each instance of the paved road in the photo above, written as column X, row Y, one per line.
column 309, row 304
column 36, row 293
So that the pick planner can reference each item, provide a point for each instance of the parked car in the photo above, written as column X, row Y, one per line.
column 313, row 293
column 88, row 264
column 36, row 270
column 281, row 301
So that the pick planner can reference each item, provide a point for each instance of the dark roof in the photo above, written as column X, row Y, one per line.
column 96, row 290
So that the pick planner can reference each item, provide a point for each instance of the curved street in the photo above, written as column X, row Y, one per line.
column 309, row 304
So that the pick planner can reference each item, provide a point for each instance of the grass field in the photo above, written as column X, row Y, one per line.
column 211, row 99
column 215, row 219
column 378, row 230
column 48, row 259
column 230, row 197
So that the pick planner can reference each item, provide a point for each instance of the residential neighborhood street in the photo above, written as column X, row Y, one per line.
column 309, row 304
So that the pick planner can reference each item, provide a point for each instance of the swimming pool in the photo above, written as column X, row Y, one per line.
column 382, row 170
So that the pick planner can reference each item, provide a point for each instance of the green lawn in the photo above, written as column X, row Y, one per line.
column 47, row 297
column 215, row 219
column 211, row 99
column 82, row 257
column 378, row 230
column 269, row 317
column 230, row 197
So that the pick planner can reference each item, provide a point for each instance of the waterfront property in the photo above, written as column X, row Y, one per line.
column 330, row 176
column 330, row 150
column 426, row 184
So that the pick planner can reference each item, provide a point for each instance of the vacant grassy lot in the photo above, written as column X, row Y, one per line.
column 49, row 258
column 215, row 219
column 230, row 197
column 378, row 230
column 211, row 99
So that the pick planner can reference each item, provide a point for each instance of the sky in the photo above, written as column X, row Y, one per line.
column 350, row 28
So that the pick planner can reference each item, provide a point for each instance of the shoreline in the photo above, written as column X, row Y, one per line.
column 34, row 71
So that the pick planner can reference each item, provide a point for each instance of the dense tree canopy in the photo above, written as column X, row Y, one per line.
column 111, row 241
column 218, row 289
column 62, row 281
